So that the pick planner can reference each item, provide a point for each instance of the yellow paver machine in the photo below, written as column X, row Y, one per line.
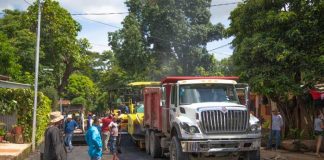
column 135, row 119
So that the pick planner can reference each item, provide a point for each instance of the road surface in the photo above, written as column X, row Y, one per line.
column 129, row 152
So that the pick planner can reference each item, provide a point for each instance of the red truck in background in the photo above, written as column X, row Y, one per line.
column 200, row 117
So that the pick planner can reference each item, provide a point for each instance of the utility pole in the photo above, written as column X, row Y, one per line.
column 61, row 109
column 36, row 77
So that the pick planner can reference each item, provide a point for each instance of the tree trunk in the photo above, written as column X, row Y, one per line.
column 64, row 81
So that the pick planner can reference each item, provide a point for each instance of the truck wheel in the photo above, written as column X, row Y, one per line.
column 176, row 150
column 155, row 145
column 147, row 141
column 253, row 155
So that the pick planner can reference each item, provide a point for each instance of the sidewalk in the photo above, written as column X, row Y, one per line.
column 286, row 155
column 12, row 151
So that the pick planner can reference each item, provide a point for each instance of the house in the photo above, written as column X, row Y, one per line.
column 10, row 120
column 5, row 83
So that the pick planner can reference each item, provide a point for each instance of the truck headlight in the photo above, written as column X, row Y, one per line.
column 193, row 129
column 189, row 129
column 255, row 127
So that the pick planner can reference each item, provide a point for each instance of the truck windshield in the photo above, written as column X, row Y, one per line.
column 199, row 93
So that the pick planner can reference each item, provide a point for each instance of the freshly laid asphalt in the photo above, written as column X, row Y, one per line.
column 131, row 152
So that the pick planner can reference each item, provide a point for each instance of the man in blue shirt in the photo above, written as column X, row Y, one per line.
column 94, row 142
column 276, row 125
column 70, row 125
column 123, row 108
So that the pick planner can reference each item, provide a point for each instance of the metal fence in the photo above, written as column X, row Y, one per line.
column 9, row 120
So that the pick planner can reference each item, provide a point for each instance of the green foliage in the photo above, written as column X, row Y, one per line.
column 102, row 102
column 278, row 47
column 62, row 50
column 2, row 132
column 8, row 60
column 23, row 99
column 20, row 55
column 52, row 94
column 79, row 100
column 295, row 133
column 130, row 52
column 266, row 124
column 80, row 86
column 59, row 50
column 168, row 36
column 271, row 39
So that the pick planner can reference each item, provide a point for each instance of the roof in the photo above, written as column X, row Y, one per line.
column 65, row 102
column 207, row 81
column 144, row 83
column 8, row 84
column 4, row 78
column 174, row 79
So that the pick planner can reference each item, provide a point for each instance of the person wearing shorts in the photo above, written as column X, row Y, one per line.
column 114, row 135
column 318, row 131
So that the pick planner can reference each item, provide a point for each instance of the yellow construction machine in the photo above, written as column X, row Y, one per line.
column 135, row 119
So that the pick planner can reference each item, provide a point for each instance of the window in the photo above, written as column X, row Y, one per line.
column 199, row 93
column 173, row 95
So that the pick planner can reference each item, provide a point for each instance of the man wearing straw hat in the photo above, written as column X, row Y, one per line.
column 54, row 147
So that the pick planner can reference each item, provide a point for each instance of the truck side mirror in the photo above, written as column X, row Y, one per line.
column 162, row 101
column 243, row 91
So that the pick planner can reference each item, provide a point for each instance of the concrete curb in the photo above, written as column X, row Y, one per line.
column 11, row 151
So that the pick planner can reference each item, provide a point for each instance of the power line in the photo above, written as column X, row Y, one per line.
column 101, row 23
column 98, row 14
column 223, row 4
column 102, row 45
column 221, row 53
column 28, row 2
column 219, row 47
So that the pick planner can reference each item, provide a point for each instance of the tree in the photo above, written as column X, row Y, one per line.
column 180, row 30
column 278, row 47
column 170, row 35
column 129, row 47
column 22, row 41
column 80, row 86
column 8, row 60
column 58, row 40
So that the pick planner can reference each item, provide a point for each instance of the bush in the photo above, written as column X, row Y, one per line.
column 79, row 100
column 21, row 101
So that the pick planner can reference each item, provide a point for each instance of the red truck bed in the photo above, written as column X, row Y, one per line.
column 152, row 108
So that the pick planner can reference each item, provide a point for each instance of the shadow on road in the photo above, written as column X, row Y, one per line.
column 131, row 152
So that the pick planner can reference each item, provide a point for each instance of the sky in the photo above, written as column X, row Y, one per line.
column 96, row 32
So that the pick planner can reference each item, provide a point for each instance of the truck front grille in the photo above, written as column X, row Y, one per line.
column 232, row 121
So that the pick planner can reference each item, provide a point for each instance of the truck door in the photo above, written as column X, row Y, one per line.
column 173, row 104
column 243, row 93
column 165, row 104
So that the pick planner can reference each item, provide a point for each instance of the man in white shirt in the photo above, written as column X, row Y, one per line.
column 276, row 126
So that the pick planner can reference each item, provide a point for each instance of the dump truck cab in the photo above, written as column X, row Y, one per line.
column 201, row 116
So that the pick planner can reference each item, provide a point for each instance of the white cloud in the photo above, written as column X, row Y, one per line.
column 98, row 6
column 14, row 4
column 97, row 33
column 222, row 13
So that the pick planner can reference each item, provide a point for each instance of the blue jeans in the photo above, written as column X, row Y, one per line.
column 276, row 134
column 68, row 140
column 113, row 142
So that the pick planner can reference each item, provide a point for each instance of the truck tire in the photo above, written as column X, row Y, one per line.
column 155, row 145
column 253, row 155
column 176, row 150
column 147, row 141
